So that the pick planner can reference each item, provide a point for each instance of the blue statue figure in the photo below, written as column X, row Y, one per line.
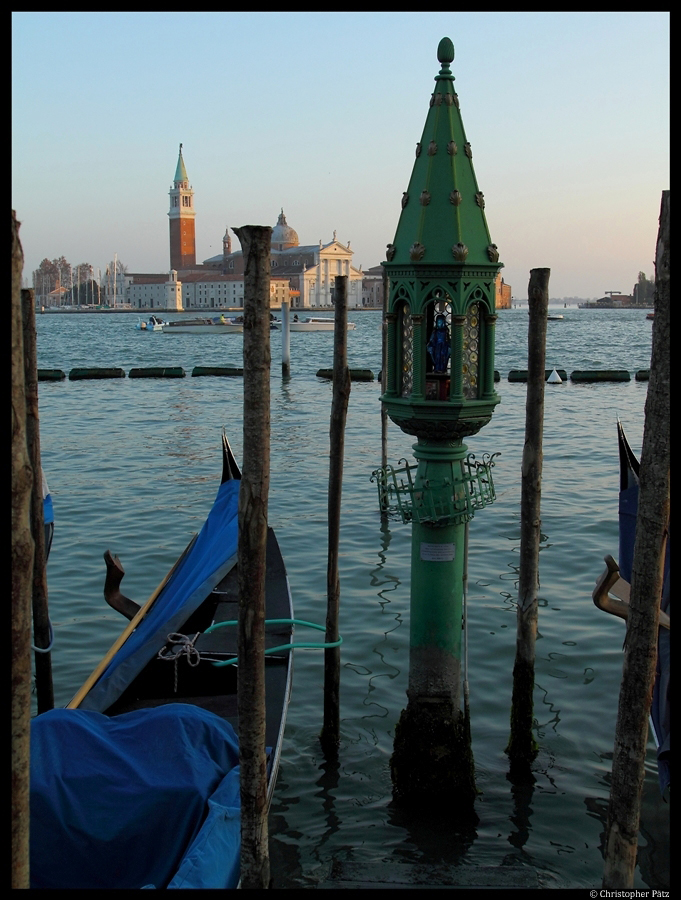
column 439, row 344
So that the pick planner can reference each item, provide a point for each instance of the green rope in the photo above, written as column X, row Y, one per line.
column 305, row 645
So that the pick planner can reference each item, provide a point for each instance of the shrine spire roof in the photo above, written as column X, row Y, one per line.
column 443, row 220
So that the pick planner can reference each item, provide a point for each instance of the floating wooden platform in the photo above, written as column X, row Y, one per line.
column 355, row 374
column 158, row 372
column 588, row 375
column 402, row 876
column 80, row 374
column 520, row 375
column 230, row 371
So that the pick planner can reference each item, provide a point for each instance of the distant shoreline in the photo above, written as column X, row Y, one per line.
column 194, row 311
column 55, row 310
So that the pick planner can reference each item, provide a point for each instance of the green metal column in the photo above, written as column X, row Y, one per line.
column 437, row 566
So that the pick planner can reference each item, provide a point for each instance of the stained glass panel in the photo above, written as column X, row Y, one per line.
column 471, row 352
column 407, row 351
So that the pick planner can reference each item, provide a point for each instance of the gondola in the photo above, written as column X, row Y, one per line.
column 136, row 783
column 611, row 594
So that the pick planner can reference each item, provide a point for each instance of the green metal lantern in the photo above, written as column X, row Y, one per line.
column 442, row 266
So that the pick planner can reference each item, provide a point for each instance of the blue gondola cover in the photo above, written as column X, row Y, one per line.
column 146, row 799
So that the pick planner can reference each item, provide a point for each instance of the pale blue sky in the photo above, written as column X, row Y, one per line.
column 319, row 113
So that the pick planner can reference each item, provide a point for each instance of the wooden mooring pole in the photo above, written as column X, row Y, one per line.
column 22, row 576
column 640, row 655
column 285, row 339
column 522, row 747
column 253, row 499
column 42, row 632
column 384, row 379
column 330, row 735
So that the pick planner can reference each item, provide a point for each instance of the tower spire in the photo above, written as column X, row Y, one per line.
column 180, row 171
column 182, row 215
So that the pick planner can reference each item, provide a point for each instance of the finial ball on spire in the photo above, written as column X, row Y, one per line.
column 445, row 51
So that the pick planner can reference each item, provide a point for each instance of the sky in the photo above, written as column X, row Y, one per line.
column 320, row 113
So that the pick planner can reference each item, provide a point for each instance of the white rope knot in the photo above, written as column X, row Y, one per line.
column 178, row 645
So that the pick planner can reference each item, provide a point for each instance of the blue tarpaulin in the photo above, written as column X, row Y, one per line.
column 210, row 558
column 146, row 799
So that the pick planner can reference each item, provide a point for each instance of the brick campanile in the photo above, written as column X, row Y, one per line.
column 182, row 215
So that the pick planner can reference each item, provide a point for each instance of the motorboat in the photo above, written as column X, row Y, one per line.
column 154, row 323
column 315, row 323
column 215, row 325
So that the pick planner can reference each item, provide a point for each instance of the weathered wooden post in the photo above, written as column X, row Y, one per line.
column 652, row 524
column 439, row 387
column 522, row 748
column 330, row 735
column 22, row 576
column 42, row 631
column 384, row 375
column 253, row 499
column 285, row 339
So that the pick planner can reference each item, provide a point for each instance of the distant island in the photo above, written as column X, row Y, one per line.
column 641, row 297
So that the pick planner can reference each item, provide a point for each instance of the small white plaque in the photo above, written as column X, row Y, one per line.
column 437, row 552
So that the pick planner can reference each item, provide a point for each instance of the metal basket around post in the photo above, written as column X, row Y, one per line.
column 447, row 502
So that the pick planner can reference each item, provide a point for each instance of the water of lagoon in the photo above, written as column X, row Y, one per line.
column 134, row 465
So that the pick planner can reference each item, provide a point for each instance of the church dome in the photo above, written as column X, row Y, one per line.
column 283, row 236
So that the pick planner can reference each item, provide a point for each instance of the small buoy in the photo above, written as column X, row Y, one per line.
column 554, row 378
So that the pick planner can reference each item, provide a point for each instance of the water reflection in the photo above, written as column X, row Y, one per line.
column 554, row 713
column 433, row 836
column 522, row 791
column 384, row 646
column 653, row 857
column 328, row 785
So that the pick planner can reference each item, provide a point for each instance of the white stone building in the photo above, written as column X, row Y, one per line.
column 372, row 288
column 144, row 291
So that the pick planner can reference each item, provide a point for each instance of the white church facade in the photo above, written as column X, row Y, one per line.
column 310, row 269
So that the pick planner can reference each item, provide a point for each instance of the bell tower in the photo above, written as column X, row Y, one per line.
column 182, row 215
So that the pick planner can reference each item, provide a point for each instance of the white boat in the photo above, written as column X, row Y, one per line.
column 217, row 325
column 154, row 324
column 554, row 318
column 312, row 323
